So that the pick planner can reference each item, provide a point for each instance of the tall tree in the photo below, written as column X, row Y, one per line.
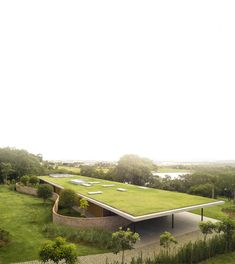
column 5, row 169
column 134, row 169
column 21, row 161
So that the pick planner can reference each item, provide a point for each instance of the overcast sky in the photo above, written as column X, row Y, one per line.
column 99, row 79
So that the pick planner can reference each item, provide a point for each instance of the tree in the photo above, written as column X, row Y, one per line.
column 166, row 239
column 68, row 199
column 5, row 169
column 22, row 163
column 58, row 250
column 24, row 179
column 134, row 169
column 88, row 170
column 45, row 191
column 206, row 189
column 207, row 228
column 83, row 204
column 123, row 240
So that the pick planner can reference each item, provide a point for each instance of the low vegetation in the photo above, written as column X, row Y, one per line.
column 221, row 259
column 98, row 237
column 24, row 217
column 4, row 237
column 194, row 252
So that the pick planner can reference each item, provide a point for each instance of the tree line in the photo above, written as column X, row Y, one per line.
column 209, row 181
column 14, row 163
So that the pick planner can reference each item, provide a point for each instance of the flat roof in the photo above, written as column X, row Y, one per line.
column 135, row 204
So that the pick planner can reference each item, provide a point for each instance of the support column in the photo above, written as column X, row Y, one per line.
column 172, row 221
column 201, row 214
column 134, row 227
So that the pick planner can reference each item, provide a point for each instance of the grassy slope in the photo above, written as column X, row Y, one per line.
column 23, row 216
column 135, row 201
column 222, row 259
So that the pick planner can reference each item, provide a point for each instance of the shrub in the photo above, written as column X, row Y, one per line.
column 191, row 252
column 166, row 239
column 12, row 185
column 33, row 180
column 24, row 180
column 207, row 228
column 202, row 189
column 58, row 250
column 93, row 236
column 68, row 199
column 83, row 204
column 45, row 191
column 4, row 237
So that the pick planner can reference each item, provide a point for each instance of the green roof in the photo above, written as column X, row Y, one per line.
column 135, row 201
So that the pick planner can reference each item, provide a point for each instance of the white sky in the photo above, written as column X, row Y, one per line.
column 99, row 79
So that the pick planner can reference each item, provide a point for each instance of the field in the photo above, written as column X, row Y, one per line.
column 134, row 201
column 74, row 170
column 24, row 216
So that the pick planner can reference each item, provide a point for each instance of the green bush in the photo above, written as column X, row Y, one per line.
column 45, row 191
column 24, row 180
column 68, row 199
column 33, row 180
column 12, row 185
column 202, row 189
column 4, row 237
column 99, row 237
column 58, row 250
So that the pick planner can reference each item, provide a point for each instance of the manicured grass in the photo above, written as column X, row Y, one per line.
column 134, row 201
column 215, row 211
column 24, row 216
column 221, row 259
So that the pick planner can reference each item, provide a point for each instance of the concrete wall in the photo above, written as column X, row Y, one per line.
column 111, row 223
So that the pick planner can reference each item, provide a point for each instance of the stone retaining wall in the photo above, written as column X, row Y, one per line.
column 108, row 222
column 30, row 190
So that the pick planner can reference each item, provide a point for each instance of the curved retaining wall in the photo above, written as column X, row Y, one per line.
column 107, row 222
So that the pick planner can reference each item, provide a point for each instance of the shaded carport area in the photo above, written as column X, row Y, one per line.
column 151, row 229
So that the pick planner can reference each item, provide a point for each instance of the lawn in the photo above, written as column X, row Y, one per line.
column 216, row 211
column 24, row 216
column 221, row 259
column 134, row 201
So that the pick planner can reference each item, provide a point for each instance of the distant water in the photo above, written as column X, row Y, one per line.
column 173, row 175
